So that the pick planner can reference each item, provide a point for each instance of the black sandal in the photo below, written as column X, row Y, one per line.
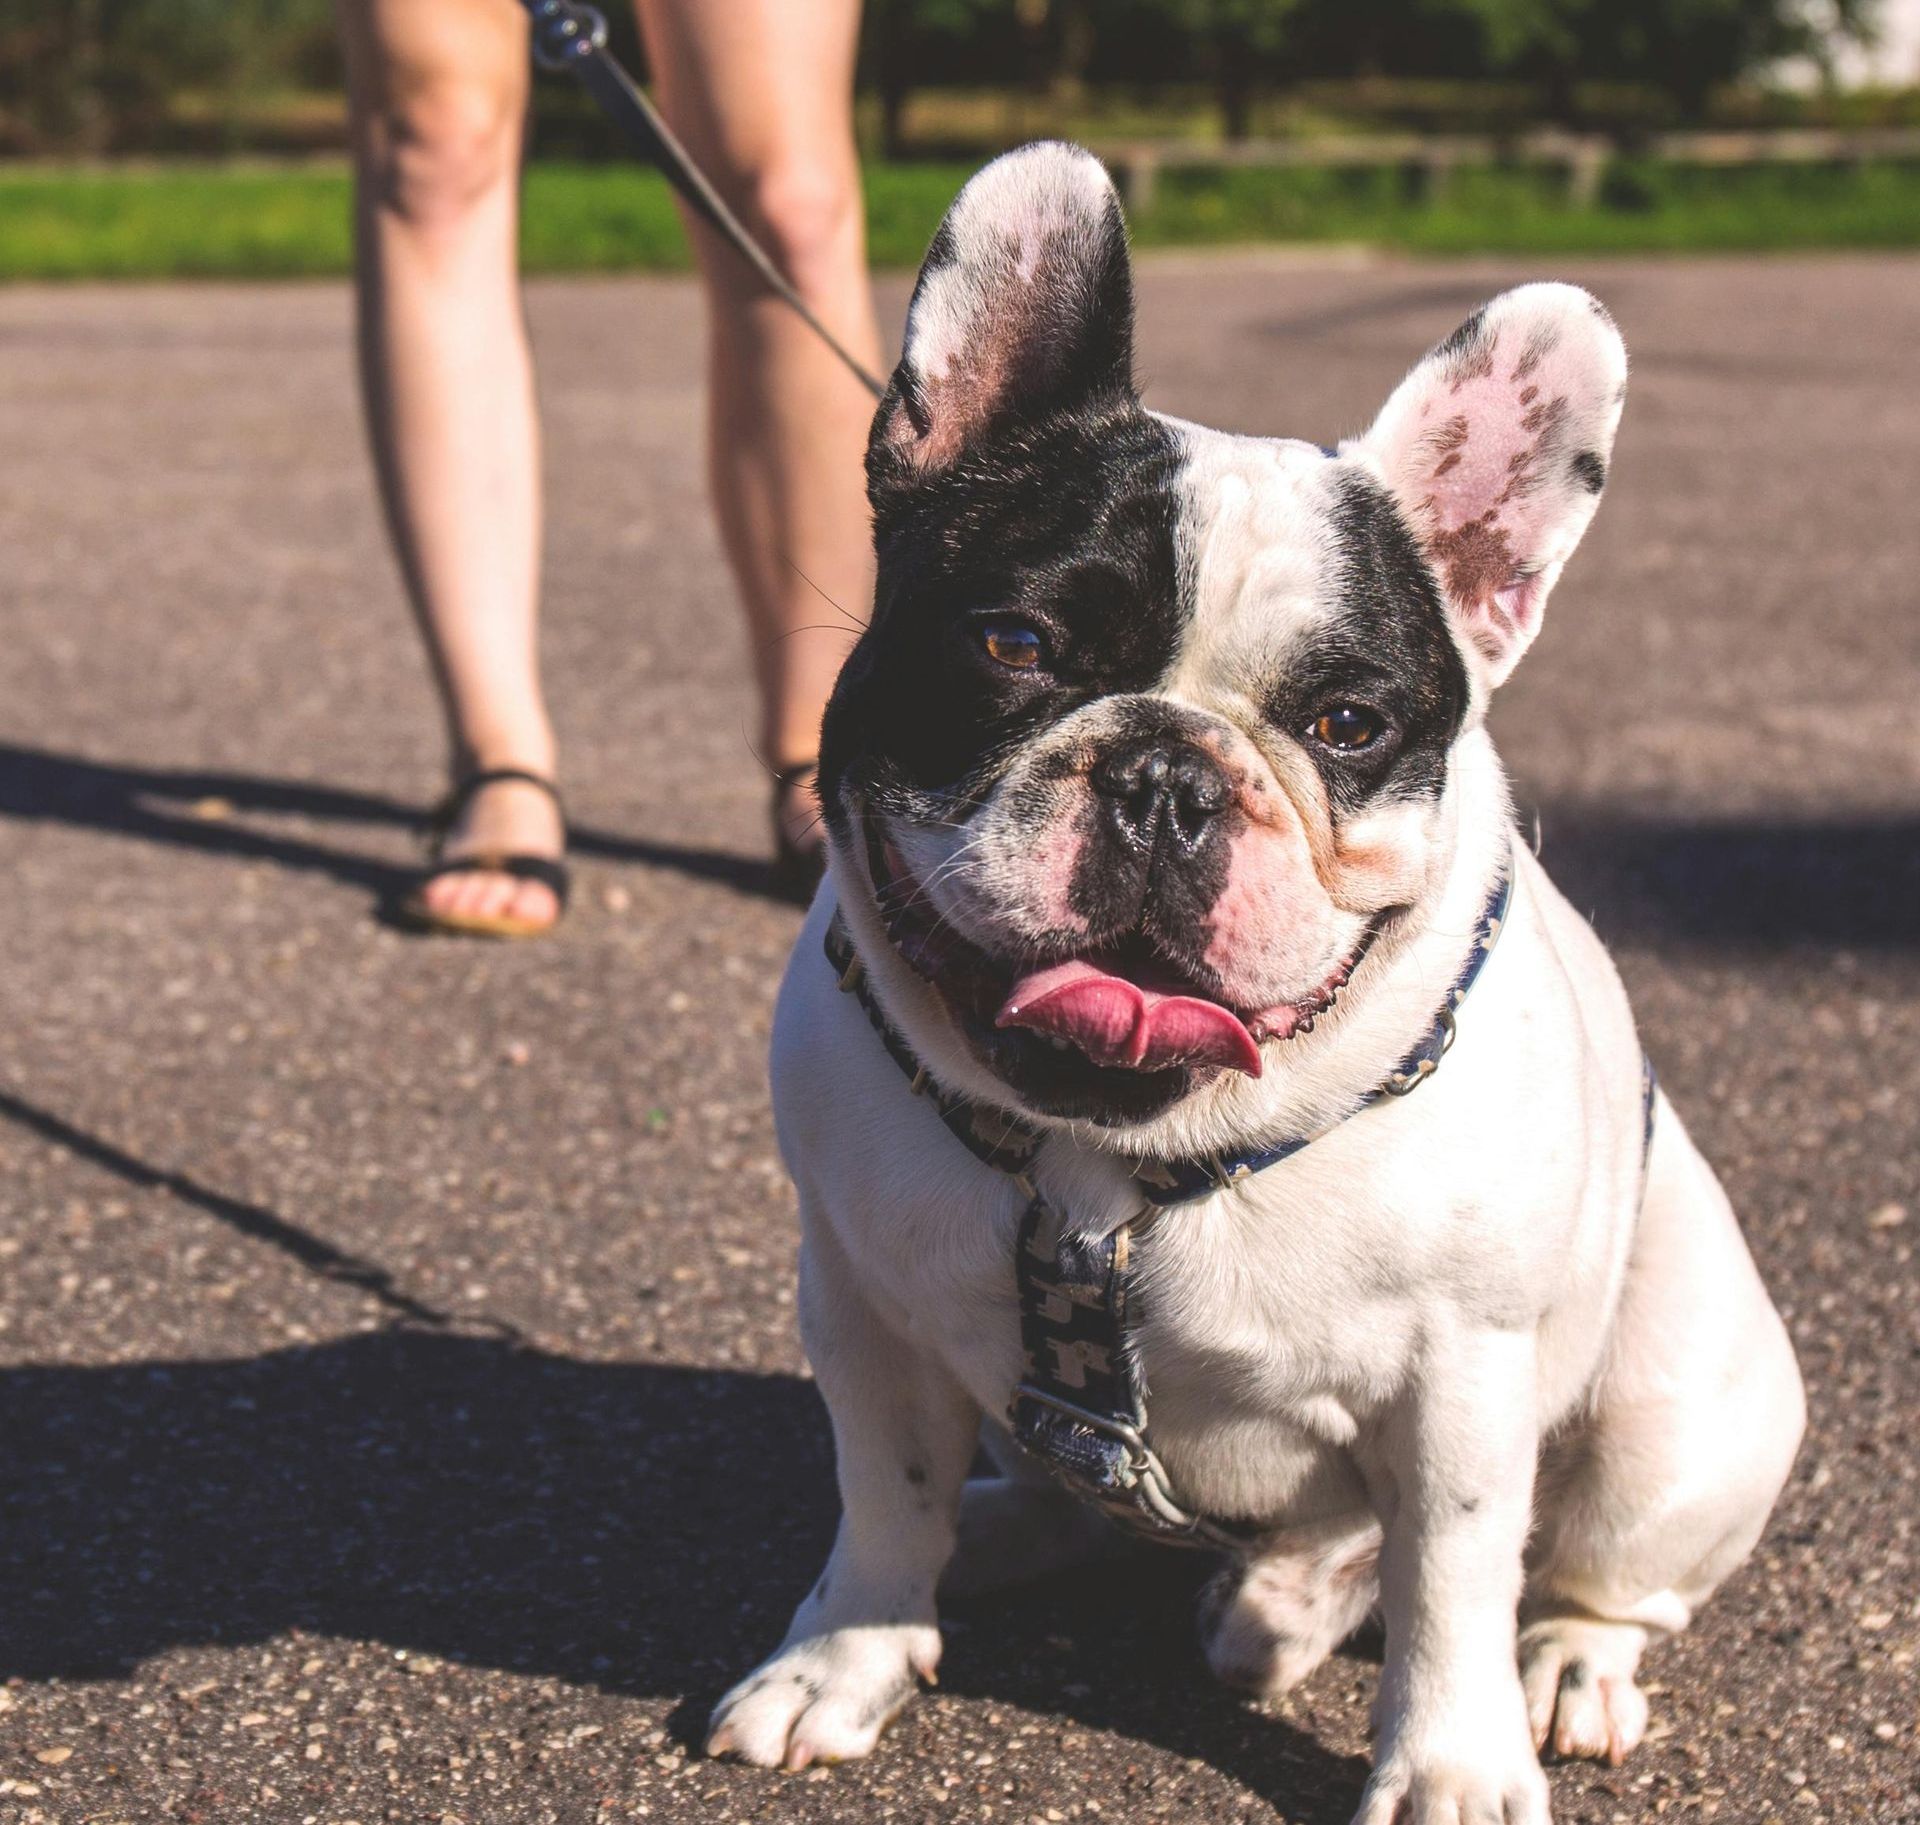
column 797, row 868
column 549, row 871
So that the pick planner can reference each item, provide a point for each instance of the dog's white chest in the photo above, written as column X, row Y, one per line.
column 1263, row 1355
column 1257, row 1358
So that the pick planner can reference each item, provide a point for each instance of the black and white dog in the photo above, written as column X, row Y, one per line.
column 1166, row 833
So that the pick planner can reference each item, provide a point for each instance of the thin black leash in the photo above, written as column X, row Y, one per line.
column 572, row 38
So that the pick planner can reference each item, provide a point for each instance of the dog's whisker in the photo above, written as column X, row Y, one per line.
column 854, row 621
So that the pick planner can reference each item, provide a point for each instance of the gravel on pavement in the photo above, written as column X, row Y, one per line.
column 403, row 1413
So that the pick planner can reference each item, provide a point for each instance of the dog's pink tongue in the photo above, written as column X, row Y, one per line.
column 1117, row 1022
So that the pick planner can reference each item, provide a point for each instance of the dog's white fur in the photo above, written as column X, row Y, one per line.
column 1451, row 1355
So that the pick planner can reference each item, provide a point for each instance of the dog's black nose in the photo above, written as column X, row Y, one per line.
column 1156, row 786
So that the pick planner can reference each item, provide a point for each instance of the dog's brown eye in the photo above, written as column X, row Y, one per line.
column 1348, row 726
column 1012, row 644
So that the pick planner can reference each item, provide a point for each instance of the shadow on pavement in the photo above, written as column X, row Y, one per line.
column 1831, row 885
column 197, row 810
column 252, row 1220
column 1375, row 302
column 1843, row 882
column 636, row 1527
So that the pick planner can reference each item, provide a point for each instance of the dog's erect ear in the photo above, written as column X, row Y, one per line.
column 1024, row 307
column 1496, row 448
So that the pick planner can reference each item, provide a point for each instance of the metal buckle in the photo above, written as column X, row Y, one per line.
column 563, row 31
column 1149, row 1474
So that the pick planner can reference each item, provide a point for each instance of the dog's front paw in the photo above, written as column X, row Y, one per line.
column 1456, row 1788
column 825, row 1698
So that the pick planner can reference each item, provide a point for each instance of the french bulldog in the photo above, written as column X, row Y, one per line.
column 1163, row 818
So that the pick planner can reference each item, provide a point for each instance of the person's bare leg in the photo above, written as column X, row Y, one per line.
column 762, row 92
column 438, row 91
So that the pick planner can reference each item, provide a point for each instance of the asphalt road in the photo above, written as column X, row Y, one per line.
column 402, row 1412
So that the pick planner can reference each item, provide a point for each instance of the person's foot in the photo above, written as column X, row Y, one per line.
column 507, row 817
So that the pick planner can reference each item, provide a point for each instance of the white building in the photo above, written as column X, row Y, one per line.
column 1892, row 62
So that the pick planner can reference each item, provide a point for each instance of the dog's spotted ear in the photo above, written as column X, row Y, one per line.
column 1024, row 308
column 1495, row 448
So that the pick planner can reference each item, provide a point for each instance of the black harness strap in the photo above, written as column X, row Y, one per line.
column 1649, row 1097
column 1003, row 1142
column 1080, row 1407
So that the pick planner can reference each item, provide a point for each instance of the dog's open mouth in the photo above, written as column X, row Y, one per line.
column 1129, row 1007
column 1112, row 1009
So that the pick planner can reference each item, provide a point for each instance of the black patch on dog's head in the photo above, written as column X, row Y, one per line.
column 1012, row 472
column 1387, row 647
column 1066, row 522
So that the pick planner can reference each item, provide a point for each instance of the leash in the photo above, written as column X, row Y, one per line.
column 572, row 39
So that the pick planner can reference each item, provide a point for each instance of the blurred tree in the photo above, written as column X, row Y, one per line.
column 97, row 75
column 1240, row 41
column 109, row 75
column 1073, row 34
column 1423, row 39
column 1684, row 49
column 916, row 42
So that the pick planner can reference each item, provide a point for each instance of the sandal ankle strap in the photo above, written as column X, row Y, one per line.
column 447, row 813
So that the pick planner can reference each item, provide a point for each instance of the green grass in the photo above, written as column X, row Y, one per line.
column 292, row 221
column 1643, row 207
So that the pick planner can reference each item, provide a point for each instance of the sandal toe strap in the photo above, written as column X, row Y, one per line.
column 549, row 871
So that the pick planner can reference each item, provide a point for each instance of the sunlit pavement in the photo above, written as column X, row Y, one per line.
column 402, row 1409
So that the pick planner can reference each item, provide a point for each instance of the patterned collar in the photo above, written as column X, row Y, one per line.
column 1010, row 1145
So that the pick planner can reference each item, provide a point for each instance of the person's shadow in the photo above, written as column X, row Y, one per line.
column 217, row 812
column 453, row 1491
column 1828, row 882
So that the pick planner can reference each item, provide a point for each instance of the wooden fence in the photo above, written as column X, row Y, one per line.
column 1583, row 156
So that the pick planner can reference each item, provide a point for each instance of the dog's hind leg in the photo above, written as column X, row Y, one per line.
column 1020, row 1524
column 1266, row 1622
column 1663, row 1485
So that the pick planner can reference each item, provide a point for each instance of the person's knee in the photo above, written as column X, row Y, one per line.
column 809, row 216
column 433, row 156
